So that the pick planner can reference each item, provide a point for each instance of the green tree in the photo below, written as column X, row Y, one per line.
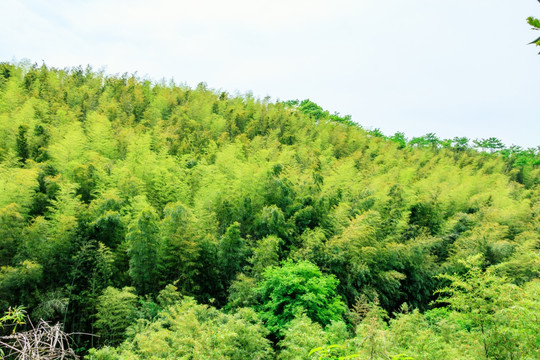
column 311, row 109
column 299, row 337
column 271, row 221
column 232, row 253
column 493, row 144
column 460, row 143
column 485, row 302
column 242, row 292
column 142, row 237
column 19, row 283
column 11, row 233
column 188, row 330
column 432, row 140
column 22, row 144
column 372, row 337
column 296, row 288
column 178, row 248
column 400, row 139
column 116, row 310
column 99, row 134
column 265, row 254
column 91, row 273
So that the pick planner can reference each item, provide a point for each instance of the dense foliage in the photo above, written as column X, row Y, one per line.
column 189, row 223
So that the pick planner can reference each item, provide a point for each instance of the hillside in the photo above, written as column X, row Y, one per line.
column 178, row 222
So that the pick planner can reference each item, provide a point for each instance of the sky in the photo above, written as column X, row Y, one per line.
column 455, row 68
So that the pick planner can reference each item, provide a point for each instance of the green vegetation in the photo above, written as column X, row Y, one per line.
column 535, row 23
column 186, row 223
column 288, row 291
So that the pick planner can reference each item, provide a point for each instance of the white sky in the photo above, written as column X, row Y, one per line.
column 456, row 68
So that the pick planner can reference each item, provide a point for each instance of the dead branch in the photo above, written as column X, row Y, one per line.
column 43, row 342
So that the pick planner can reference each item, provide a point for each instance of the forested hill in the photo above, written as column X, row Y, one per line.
column 189, row 223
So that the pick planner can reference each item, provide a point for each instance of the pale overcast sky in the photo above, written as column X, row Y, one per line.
column 456, row 68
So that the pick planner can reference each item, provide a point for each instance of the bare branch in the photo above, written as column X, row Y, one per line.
column 43, row 342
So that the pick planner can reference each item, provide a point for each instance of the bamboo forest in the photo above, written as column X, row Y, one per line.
column 151, row 220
